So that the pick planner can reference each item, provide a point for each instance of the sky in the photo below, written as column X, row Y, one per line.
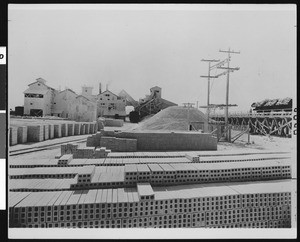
column 137, row 47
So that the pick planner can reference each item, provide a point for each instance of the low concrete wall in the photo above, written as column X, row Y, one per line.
column 119, row 144
column 35, row 133
column 171, row 140
column 22, row 134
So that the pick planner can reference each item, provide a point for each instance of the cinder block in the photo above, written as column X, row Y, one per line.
column 57, row 130
column 35, row 133
column 71, row 129
column 13, row 135
column 22, row 134
column 193, row 158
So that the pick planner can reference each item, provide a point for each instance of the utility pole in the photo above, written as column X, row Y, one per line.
column 227, row 83
column 208, row 83
column 188, row 105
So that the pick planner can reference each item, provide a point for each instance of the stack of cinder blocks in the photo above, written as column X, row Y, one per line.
column 65, row 160
column 114, row 122
column 87, row 152
column 101, row 152
column 85, row 174
column 22, row 134
column 119, row 144
column 35, row 133
column 13, row 135
column 68, row 148
column 57, row 130
column 94, row 140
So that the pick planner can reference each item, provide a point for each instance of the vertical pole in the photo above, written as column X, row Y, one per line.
column 208, row 91
column 188, row 114
column 227, row 97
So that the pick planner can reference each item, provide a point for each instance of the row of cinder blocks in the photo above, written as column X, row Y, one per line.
column 94, row 140
column 114, row 122
column 119, row 144
column 40, row 132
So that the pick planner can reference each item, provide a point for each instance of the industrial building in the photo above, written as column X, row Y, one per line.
column 42, row 100
column 109, row 105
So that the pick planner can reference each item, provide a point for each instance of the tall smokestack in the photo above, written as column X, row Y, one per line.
column 106, row 87
column 100, row 91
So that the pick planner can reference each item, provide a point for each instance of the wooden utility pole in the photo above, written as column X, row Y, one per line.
column 208, row 83
column 227, row 83
column 188, row 105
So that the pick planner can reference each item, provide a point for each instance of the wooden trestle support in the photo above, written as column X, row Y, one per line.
column 277, row 126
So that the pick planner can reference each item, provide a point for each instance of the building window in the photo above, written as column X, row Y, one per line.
column 33, row 95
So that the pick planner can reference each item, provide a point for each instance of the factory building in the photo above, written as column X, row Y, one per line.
column 42, row 100
column 109, row 105
column 38, row 99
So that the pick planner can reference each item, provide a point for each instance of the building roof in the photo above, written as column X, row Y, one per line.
column 107, row 91
column 68, row 89
column 42, row 81
column 35, row 91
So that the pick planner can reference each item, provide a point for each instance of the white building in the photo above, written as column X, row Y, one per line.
column 38, row 98
column 42, row 100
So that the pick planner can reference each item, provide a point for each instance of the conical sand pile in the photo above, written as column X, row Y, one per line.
column 172, row 118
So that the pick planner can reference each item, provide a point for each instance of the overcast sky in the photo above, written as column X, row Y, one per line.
column 136, row 49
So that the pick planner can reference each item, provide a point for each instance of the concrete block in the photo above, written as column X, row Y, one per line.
column 35, row 133
column 77, row 128
column 22, row 134
column 57, row 130
column 71, row 129
column 51, row 131
column 193, row 158
column 13, row 135
column 64, row 130
column 46, row 132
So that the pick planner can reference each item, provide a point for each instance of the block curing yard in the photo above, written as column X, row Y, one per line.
column 87, row 182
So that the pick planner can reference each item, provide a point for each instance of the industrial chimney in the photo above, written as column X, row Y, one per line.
column 100, row 91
